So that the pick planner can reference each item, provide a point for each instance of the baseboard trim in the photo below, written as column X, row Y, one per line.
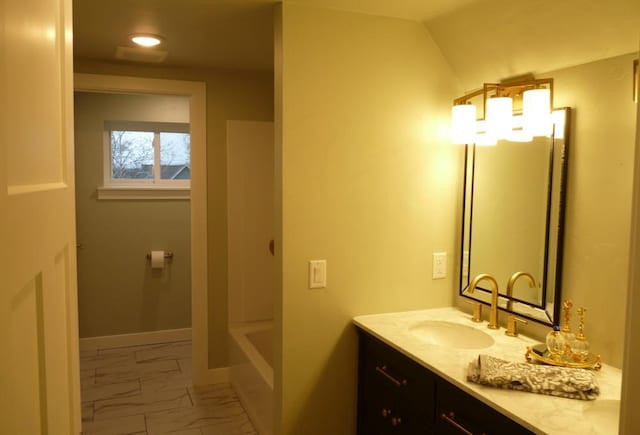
column 136, row 339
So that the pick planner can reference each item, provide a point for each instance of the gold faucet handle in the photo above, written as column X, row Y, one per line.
column 477, row 311
column 512, row 325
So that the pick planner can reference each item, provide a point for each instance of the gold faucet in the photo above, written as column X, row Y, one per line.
column 512, row 282
column 493, row 314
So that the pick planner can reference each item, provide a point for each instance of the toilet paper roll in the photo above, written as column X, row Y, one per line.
column 157, row 259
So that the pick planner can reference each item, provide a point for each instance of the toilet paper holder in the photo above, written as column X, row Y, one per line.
column 167, row 255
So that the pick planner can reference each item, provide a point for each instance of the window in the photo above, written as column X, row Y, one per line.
column 146, row 156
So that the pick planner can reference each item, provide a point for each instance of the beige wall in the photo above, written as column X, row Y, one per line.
column 117, row 291
column 598, row 204
column 250, row 220
column 369, row 182
column 230, row 95
column 597, row 226
column 629, row 417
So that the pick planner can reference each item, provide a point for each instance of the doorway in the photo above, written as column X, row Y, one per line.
column 195, row 93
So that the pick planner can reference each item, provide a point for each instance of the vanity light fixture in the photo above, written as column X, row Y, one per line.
column 532, row 99
column 146, row 39
column 463, row 127
column 499, row 116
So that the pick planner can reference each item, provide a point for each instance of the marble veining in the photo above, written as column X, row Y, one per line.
column 541, row 414
column 147, row 390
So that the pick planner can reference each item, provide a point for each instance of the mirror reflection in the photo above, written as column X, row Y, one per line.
column 513, row 214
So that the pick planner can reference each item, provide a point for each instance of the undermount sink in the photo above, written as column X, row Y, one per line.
column 603, row 415
column 450, row 334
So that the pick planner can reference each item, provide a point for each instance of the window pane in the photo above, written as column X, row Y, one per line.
column 132, row 154
column 175, row 156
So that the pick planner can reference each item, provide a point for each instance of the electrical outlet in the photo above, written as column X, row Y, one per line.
column 439, row 265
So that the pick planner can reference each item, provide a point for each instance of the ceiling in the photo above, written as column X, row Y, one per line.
column 219, row 34
column 483, row 40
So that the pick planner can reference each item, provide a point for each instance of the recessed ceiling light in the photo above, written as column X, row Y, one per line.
column 146, row 40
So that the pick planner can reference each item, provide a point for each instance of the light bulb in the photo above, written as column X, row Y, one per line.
column 536, row 112
column 146, row 40
column 499, row 117
column 463, row 124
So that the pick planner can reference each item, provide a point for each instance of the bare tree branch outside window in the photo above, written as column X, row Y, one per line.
column 131, row 154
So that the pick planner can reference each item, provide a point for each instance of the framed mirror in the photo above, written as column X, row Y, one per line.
column 513, row 215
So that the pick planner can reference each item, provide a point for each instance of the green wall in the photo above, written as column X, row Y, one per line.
column 231, row 95
column 118, row 293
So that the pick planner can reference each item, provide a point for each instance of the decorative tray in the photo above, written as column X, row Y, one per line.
column 593, row 362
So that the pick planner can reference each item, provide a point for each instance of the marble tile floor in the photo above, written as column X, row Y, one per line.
column 147, row 390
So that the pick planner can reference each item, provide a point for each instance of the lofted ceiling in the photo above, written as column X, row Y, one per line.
column 483, row 40
column 491, row 40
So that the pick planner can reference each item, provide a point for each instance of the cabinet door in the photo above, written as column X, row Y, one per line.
column 396, row 395
column 457, row 413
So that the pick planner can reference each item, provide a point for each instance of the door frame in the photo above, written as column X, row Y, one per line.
column 196, row 91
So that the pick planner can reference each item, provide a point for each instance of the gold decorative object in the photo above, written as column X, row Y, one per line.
column 592, row 361
column 564, row 348
column 580, row 346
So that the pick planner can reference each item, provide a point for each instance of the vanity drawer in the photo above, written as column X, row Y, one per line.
column 458, row 413
column 395, row 394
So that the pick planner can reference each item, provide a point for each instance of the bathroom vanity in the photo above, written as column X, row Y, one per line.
column 412, row 380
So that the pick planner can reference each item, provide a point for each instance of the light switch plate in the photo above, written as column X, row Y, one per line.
column 439, row 265
column 317, row 273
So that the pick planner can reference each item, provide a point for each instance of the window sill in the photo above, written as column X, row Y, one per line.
column 144, row 193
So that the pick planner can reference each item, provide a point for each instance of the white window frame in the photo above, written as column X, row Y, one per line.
column 155, row 188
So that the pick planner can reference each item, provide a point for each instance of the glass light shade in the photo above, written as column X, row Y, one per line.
column 499, row 117
column 146, row 40
column 463, row 124
column 518, row 134
column 536, row 112
column 483, row 138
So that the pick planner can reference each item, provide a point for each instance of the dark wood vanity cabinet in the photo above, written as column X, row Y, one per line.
column 458, row 413
column 396, row 395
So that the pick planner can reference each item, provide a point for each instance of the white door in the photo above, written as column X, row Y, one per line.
column 39, row 374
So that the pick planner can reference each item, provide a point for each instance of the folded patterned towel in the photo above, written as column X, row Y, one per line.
column 551, row 380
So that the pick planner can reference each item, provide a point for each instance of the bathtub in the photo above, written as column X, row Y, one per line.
column 251, row 371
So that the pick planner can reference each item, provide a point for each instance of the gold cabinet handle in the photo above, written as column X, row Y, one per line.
column 383, row 371
column 386, row 412
column 396, row 421
column 451, row 420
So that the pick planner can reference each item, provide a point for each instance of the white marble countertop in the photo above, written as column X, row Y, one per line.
column 539, row 413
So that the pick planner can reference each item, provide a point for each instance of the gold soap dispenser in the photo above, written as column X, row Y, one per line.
column 555, row 343
column 568, row 336
column 580, row 346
